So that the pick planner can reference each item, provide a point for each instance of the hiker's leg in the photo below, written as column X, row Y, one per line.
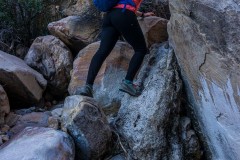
column 127, row 24
column 109, row 37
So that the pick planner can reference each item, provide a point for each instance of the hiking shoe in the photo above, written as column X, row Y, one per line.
column 85, row 90
column 130, row 88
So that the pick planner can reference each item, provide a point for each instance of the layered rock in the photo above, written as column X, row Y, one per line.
column 22, row 84
column 150, row 124
column 53, row 60
column 86, row 123
column 39, row 143
column 110, row 75
column 4, row 105
column 205, row 35
column 76, row 31
column 154, row 29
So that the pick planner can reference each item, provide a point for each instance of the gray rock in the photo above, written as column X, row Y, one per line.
column 205, row 35
column 75, row 31
column 34, row 119
column 4, row 105
column 51, row 57
column 22, row 84
column 149, row 124
column 38, row 143
column 86, row 123
column 57, row 112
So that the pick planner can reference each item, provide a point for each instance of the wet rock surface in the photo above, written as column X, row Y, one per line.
column 87, row 124
column 39, row 143
column 52, row 58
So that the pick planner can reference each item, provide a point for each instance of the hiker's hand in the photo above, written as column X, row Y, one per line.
column 148, row 14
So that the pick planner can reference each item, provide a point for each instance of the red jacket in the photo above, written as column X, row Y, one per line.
column 129, row 7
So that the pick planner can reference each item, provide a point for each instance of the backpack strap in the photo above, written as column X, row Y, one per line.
column 128, row 2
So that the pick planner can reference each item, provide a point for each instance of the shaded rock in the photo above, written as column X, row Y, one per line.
column 154, row 29
column 192, row 149
column 53, row 60
column 4, row 105
column 11, row 119
column 159, row 7
column 57, row 112
column 149, row 124
column 22, row 84
column 110, row 75
column 34, row 119
column 53, row 122
column 75, row 31
column 205, row 36
column 5, row 128
column 38, row 143
column 88, row 126
column 21, row 51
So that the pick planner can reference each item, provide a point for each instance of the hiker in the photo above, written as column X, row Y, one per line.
column 120, row 20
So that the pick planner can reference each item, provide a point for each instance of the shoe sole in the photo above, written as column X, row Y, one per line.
column 128, row 93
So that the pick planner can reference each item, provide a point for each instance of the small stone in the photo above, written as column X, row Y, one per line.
column 48, row 104
column 12, row 119
column 5, row 128
column 53, row 122
column 57, row 112
column 5, row 138
column 1, row 142
column 54, row 102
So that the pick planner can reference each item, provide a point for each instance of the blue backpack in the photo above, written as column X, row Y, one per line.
column 107, row 5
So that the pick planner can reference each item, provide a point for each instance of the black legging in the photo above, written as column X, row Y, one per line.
column 116, row 23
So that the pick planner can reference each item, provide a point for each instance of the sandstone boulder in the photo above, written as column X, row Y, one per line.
column 86, row 123
column 75, row 31
column 110, row 75
column 53, row 60
column 154, row 29
column 22, row 83
column 149, row 124
column 205, row 35
column 38, row 143
column 4, row 105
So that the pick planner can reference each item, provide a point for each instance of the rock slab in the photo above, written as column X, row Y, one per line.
column 205, row 36
column 38, row 143
column 86, row 123
column 149, row 124
column 22, row 83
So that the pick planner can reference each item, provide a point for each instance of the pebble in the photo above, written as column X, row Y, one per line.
column 5, row 138
column 5, row 128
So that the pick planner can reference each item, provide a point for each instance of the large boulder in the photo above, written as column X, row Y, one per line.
column 110, row 75
column 86, row 123
column 205, row 35
column 76, row 31
column 150, row 123
column 53, row 60
column 4, row 105
column 39, row 143
column 154, row 29
column 22, row 84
